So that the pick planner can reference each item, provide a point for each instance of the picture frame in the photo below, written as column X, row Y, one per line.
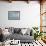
column 13, row 15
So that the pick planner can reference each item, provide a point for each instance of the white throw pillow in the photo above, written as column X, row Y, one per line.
column 28, row 31
column 23, row 31
column 5, row 32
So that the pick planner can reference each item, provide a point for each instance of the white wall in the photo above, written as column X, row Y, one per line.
column 29, row 14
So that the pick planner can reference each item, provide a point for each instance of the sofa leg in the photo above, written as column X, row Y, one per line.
column 21, row 44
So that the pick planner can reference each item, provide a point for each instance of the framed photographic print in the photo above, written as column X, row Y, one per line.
column 13, row 15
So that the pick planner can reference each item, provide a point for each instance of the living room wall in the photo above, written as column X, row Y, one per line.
column 29, row 14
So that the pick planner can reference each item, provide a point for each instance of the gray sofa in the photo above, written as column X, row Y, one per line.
column 22, row 38
column 17, row 35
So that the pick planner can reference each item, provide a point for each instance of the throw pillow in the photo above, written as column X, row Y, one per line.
column 28, row 31
column 11, row 30
column 17, row 30
column 23, row 31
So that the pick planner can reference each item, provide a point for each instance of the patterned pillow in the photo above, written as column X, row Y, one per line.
column 11, row 30
column 17, row 30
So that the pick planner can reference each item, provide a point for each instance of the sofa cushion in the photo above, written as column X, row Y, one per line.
column 22, row 38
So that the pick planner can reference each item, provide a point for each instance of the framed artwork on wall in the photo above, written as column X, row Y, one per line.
column 13, row 15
